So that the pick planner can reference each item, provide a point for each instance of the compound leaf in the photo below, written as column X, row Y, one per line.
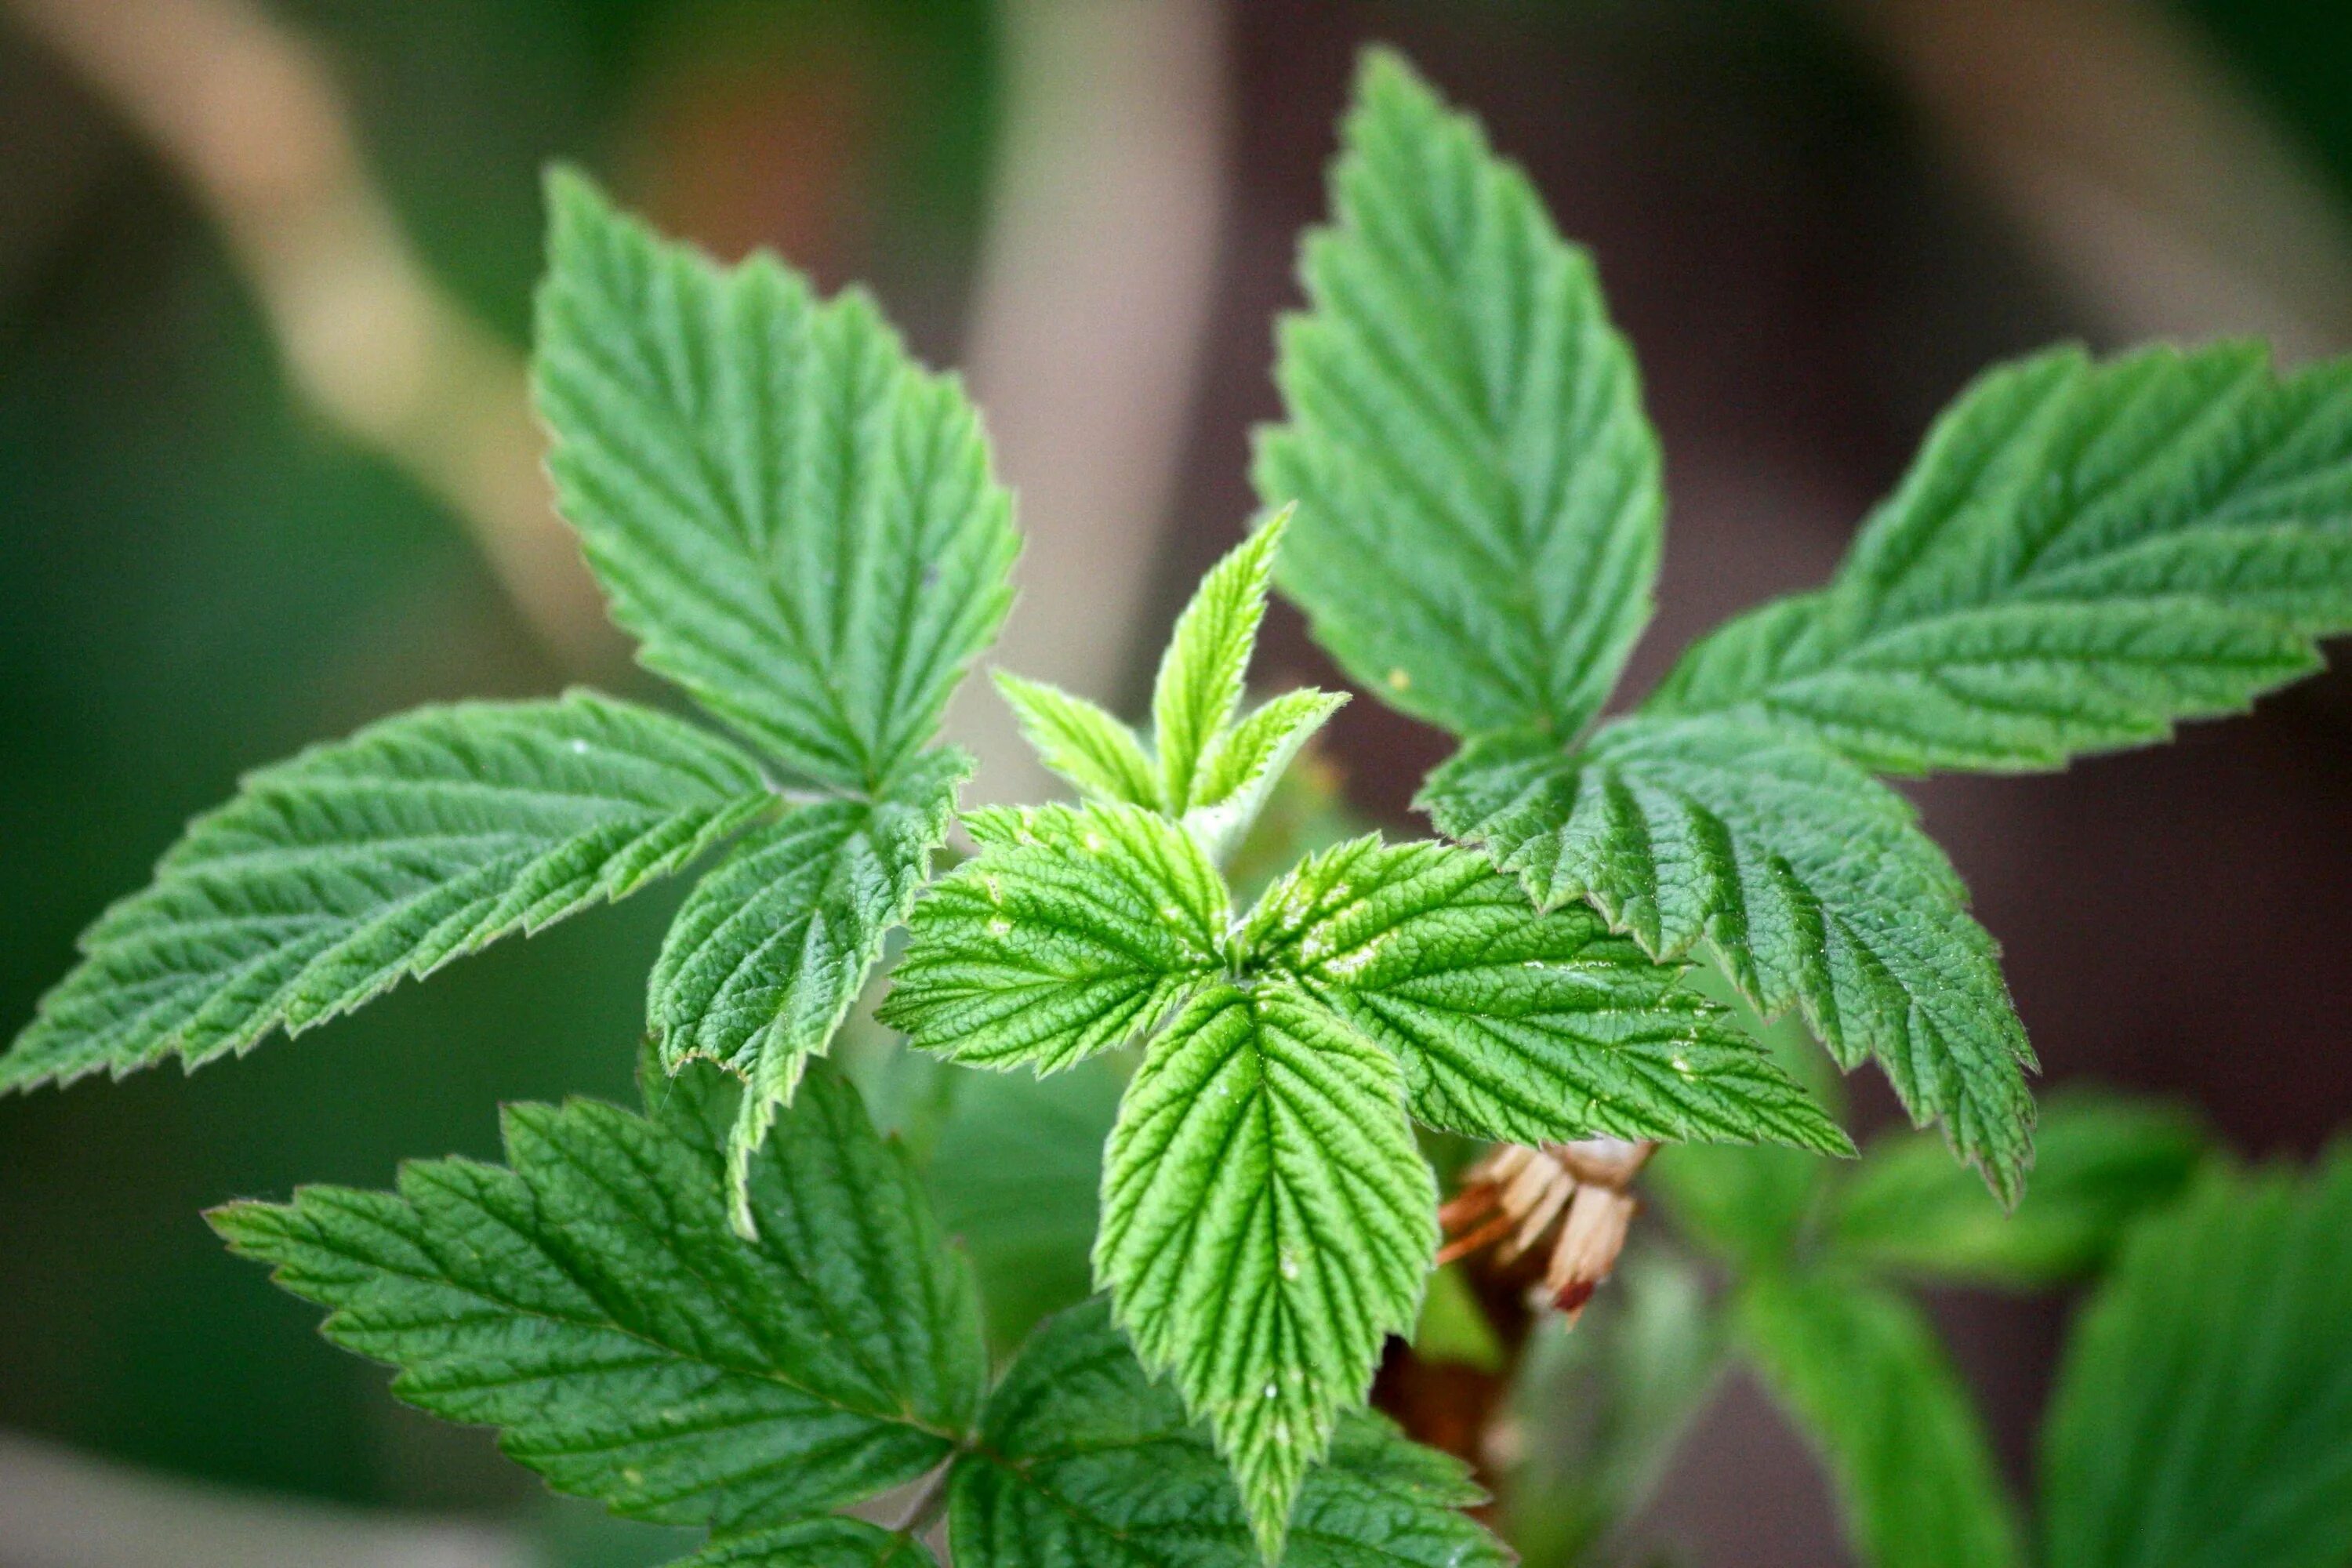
column 1071, row 931
column 1862, row 1374
column 2203, row 1412
column 1083, row 744
column 1200, row 682
column 1809, row 880
column 2100, row 1162
column 2084, row 553
column 1084, row 1462
column 590, row 1301
column 1478, row 490
column 1515, row 1025
column 1266, row 1222
column 799, row 524
column 336, row 874
column 773, row 945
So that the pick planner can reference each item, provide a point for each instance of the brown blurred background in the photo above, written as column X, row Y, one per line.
column 265, row 473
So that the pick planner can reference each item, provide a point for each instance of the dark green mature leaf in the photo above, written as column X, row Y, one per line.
column 2203, row 1413
column 1479, row 491
column 1515, row 1025
column 334, row 875
column 775, row 943
column 1863, row 1375
column 1085, row 1463
column 2084, row 553
column 1070, row 932
column 798, row 523
column 815, row 1544
column 1266, row 1222
column 2100, row 1160
column 1810, row 881
column 592, row 1301
column 1198, row 689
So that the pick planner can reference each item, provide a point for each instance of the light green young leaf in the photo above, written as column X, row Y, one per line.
column 2100, row 1160
column 797, row 523
column 1266, row 1222
column 1808, row 882
column 592, row 1301
column 773, row 946
column 2203, row 1412
column 1082, row 743
column 334, row 875
column 1246, row 762
column 1515, row 1025
column 1086, row 1463
column 1479, row 491
column 830, row 1543
column 1864, row 1377
column 1199, row 684
column 2084, row 553
column 1070, row 932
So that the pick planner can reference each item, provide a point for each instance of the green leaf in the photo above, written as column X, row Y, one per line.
column 1266, row 1222
column 2100, row 1160
column 2084, row 553
column 2203, row 1412
column 1081, row 742
column 815, row 1544
column 334, row 875
column 590, row 1301
column 773, row 946
column 1071, row 931
column 1808, row 882
column 1478, row 496
column 1238, row 775
column 1199, row 684
column 1862, row 1373
column 1085, row 1463
column 1515, row 1025
column 797, row 523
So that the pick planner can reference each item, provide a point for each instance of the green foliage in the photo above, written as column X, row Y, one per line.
column 1085, row 1463
column 2084, row 553
column 2103, row 1160
column 816, row 1543
column 1863, row 1374
column 799, row 525
column 592, row 1301
column 420, row 839
column 1477, row 487
column 1809, row 882
column 2203, row 1412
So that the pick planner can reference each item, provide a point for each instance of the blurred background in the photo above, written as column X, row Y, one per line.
column 265, row 473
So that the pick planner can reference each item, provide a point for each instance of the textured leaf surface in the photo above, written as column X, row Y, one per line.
column 420, row 839
column 2203, row 1412
column 2084, row 553
column 1071, row 931
column 1085, row 1463
column 1080, row 742
column 1245, row 763
column 773, row 945
column 1198, row 689
column 1515, row 1025
column 1266, row 1222
column 798, row 525
column 1864, row 1377
column 1477, row 487
column 2100, row 1162
column 1809, row 880
column 591, row 1299
column 815, row 1544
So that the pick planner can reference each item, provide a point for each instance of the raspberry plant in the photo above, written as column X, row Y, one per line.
column 735, row 1309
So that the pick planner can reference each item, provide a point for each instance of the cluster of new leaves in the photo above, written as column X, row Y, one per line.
column 1267, row 1219
column 802, row 530
column 592, row 1300
column 2084, row 553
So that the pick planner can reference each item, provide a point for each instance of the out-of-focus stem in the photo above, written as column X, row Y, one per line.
column 250, row 115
